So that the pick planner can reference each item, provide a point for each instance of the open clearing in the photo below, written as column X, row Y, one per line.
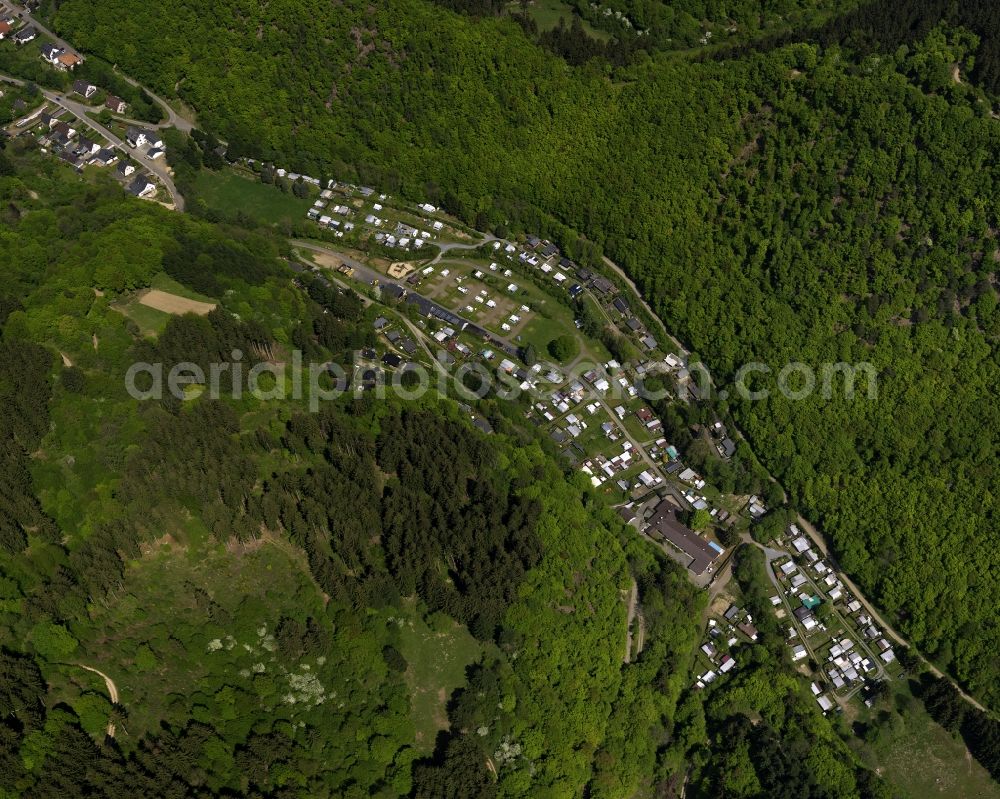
column 172, row 304
column 230, row 192
column 922, row 760
column 437, row 660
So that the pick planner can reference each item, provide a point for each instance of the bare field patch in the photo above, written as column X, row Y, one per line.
column 400, row 269
column 324, row 259
column 173, row 304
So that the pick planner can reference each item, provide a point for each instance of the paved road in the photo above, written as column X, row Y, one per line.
column 80, row 111
column 158, row 167
column 174, row 120
column 30, row 20
column 820, row 542
column 365, row 274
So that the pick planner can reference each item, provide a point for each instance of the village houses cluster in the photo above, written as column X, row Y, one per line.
column 843, row 641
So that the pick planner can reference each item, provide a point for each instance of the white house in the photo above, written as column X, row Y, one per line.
column 136, row 137
column 51, row 53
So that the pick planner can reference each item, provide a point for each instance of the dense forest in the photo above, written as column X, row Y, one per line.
column 259, row 583
column 818, row 202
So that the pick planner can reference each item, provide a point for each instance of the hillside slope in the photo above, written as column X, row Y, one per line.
column 794, row 205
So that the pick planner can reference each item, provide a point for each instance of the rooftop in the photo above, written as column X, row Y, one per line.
column 665, row 522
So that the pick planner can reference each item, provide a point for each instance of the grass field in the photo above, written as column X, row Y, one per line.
column 151, row 321
column 438, row 658
column 546, row 14
column 922, row 760
column 163, row 282
column 229, row 192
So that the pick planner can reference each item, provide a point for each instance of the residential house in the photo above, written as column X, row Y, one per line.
column 125, row 168
column 748, row 630
column 25, row 35
column 64, row 128
column 84, row 89
column 115, row 104
column 51, row 53
column 5, row 28
column 86, row 147
column 136, row 137
column 141, row 186
column 68, row 62
column 105, row 157
column 603, row 285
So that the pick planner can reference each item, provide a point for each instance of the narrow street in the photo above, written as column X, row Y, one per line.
column 81, row 112
column 161, row 171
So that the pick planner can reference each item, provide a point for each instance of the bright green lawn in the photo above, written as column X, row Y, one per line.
column 229, row 192
column 163, row 282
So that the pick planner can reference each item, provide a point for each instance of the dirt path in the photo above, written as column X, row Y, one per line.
column 820, row 542
column 640, row 633
column 813, row 533
column 65, row 359
column 112, row 692
column 633, row 599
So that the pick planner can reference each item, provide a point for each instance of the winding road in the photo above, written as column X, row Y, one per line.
column 159, row 169
column 820, row 542
column 174, row 120
column 81, row 112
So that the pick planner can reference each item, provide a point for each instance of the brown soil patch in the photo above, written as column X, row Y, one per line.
column 400, row 270
column 172, row 304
